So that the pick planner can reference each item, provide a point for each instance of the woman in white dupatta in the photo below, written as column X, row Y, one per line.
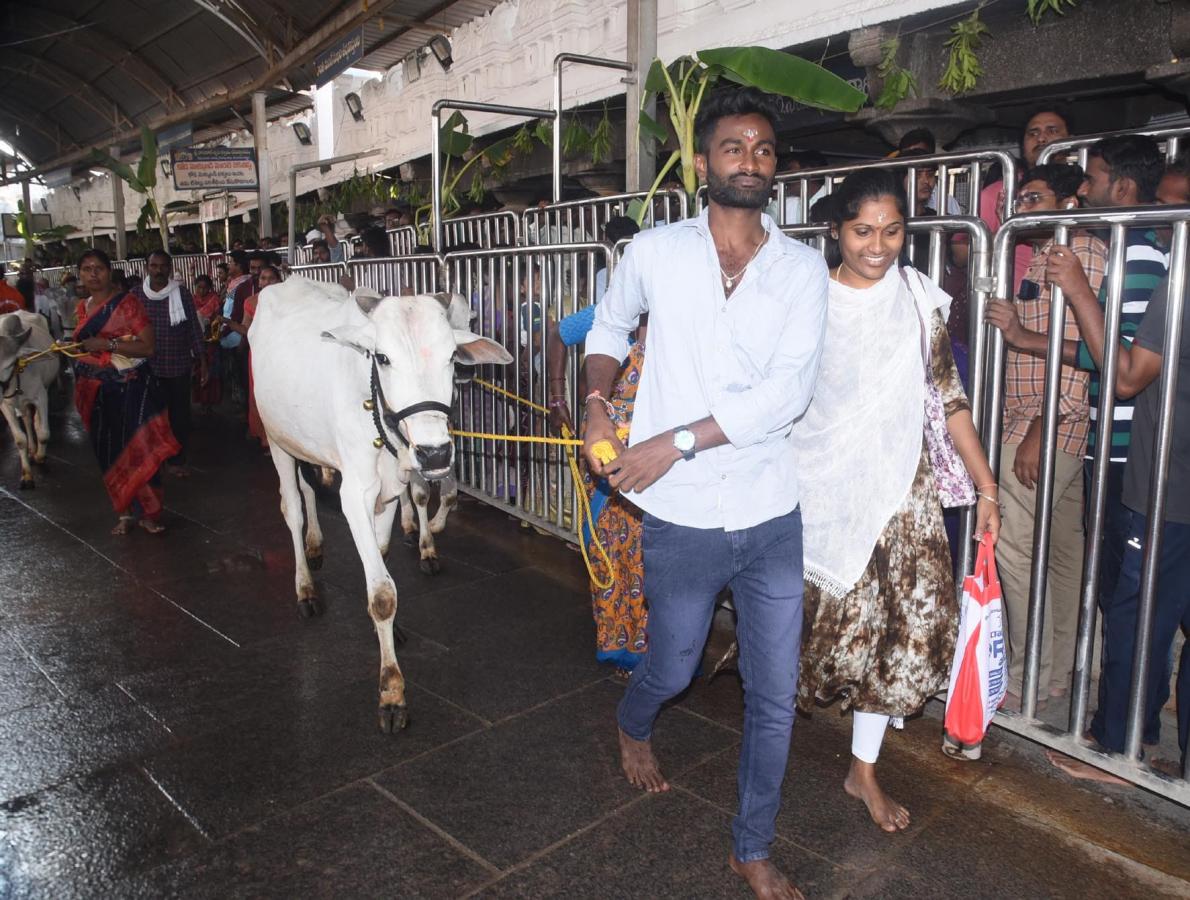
column 880, row 603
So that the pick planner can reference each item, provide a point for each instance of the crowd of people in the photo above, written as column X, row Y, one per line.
column 792, row 433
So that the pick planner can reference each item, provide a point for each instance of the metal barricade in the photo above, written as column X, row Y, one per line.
column 402, row 241
column 960, row 177
column 132, row 268
column 513, row 293
column 1170, row 137
column 575, row 221
column 55, row 274
column 494, row 229
column 188, row 266
column 1117, row 223
column 393, row 276
column 327, row 273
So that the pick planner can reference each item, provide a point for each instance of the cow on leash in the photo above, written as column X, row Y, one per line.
column 24, row 386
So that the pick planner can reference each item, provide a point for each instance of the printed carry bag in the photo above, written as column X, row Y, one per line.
column 979, row 674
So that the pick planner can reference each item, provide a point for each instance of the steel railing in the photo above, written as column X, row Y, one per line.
column 1170, row 137
column 579, row 221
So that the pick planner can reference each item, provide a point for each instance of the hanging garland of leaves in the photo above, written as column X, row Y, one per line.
column 898, row 82
column 963, row 68
column 1038, row 8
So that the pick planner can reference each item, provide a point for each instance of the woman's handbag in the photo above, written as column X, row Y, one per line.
column 979, row 674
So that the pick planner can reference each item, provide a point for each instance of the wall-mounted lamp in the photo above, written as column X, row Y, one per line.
column 412, row 67
column 45, row 207
column 354, row 106
column 440, row 47
column 302, row 132
column 77, row 191
column 167, row 168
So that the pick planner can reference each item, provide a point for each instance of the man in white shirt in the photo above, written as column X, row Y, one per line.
column 736, row 319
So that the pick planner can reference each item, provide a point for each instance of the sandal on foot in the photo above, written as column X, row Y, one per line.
column 152, row 526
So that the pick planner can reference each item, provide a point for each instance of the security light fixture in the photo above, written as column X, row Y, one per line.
column 440, row 47
column 302, row 131
column 354, row 106
column 167, row 168
column 412, row 67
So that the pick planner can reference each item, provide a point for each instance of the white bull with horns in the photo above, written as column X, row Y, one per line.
column 361, row 384
column 24, row 386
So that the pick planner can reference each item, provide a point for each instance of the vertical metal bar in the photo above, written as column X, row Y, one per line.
column 1097, row 502
column 942, row 185
column 974, row 188
column 1171, row 147
column 991, row 368
column 937, row 261
column 1042, row 517
column 556, row 147
column 978, row 265
column 1158, row 489
column 912, row 191
column 437, row 235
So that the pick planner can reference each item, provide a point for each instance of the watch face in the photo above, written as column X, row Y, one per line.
column 684, row 440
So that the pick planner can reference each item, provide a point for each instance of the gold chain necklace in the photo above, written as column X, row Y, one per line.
column 729, row 280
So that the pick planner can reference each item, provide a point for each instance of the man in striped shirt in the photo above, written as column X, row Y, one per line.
column 1121, row 171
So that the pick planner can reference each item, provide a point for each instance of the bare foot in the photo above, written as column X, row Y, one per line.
column 124, row 525
column 1076, row 768
column 178, row 471
column 764, row 879
column 640, row 765
column 151, row 526
column 861, row 783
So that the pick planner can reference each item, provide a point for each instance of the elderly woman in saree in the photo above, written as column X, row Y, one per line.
column 127, row 424
column 881, row 611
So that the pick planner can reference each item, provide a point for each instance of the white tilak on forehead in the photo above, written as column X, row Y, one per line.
column 751, row 133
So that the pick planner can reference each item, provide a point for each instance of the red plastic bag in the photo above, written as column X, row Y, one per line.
column 979, row 673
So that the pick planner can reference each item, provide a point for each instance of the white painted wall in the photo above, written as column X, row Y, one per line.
column 507, row 57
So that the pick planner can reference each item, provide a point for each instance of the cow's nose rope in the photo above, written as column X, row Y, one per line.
column 569, row 442
column 72, row 349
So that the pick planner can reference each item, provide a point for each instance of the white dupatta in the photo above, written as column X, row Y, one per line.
column 860, row 441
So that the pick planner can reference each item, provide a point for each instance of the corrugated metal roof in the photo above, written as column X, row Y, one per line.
column 73, row 73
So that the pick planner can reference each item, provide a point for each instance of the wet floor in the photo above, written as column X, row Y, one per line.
column 170, row 727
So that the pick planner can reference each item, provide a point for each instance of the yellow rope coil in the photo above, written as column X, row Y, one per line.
column 568, row 441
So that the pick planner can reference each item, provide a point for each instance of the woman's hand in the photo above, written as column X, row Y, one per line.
column 94, row 344
column 560, row 416
column 987, row 516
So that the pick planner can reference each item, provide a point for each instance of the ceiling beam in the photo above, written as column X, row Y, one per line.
column 32, row 67
column 350, row 16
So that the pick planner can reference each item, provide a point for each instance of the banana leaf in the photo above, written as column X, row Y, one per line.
column 453, row 137
column 790, row 76
column 146, row 172
column 122, row 170
column 179, row 205
column 653, row 128
column 145, row 218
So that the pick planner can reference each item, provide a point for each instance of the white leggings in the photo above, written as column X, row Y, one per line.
column 867, row 734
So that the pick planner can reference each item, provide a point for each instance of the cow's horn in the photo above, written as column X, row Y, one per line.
column 443, row 297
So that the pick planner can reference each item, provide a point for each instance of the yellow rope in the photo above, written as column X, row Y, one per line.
column 568, row 441
column 71, row 349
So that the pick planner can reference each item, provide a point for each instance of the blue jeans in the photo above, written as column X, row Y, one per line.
column 1120, row 610
column 685, row 569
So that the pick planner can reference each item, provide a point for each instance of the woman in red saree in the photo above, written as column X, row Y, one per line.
column 268, row 275
column 129, row 428
column 209, row 306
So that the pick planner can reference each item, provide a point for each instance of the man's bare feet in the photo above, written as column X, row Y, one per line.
column 124, row 525
column 861, row 783
column 765, row 879
column 640, row 765
column 151, row 526
column 1076, row 768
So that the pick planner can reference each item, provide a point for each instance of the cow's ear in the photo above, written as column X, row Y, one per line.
column 367, row 300
column 473, row 350
column 21, row 336
column 443, row 297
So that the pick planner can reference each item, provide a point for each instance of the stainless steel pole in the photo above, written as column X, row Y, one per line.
column 301, row 167
column 559, row 61
column 1042, row 517
column 1093, row 560
column 1158, row 488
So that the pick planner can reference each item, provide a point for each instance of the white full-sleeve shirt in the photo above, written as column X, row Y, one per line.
column 749, row 360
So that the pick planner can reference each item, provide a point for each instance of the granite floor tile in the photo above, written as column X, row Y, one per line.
column 80, row 838
column 21, row 682
column 316, row 742
column 510, row 791
column 351, row 843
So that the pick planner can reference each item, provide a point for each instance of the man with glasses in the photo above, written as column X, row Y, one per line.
column 1026, row 328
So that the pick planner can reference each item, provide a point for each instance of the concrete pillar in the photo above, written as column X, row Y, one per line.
column 28, row 217
column 118, row 210
column 260, row 132
column 640, row 161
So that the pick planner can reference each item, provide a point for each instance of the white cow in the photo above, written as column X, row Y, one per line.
column 25, row 393
column 363, row 387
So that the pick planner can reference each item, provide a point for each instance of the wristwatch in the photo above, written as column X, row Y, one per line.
column 684, row 442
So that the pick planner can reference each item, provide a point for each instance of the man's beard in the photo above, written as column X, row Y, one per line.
column 724, row 193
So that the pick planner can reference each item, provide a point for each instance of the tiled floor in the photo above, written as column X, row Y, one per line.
column 169, row 727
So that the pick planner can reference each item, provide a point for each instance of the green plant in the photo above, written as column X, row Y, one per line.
column 683, row 84
column 1038, row 8
column 601, row 139
column 57, row 233
column 962, row 67
column 144, row 181
column 458, row 146
column 898, row 82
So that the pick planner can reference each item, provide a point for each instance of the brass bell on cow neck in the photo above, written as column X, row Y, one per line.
column 369, row 405
column 378, row 442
